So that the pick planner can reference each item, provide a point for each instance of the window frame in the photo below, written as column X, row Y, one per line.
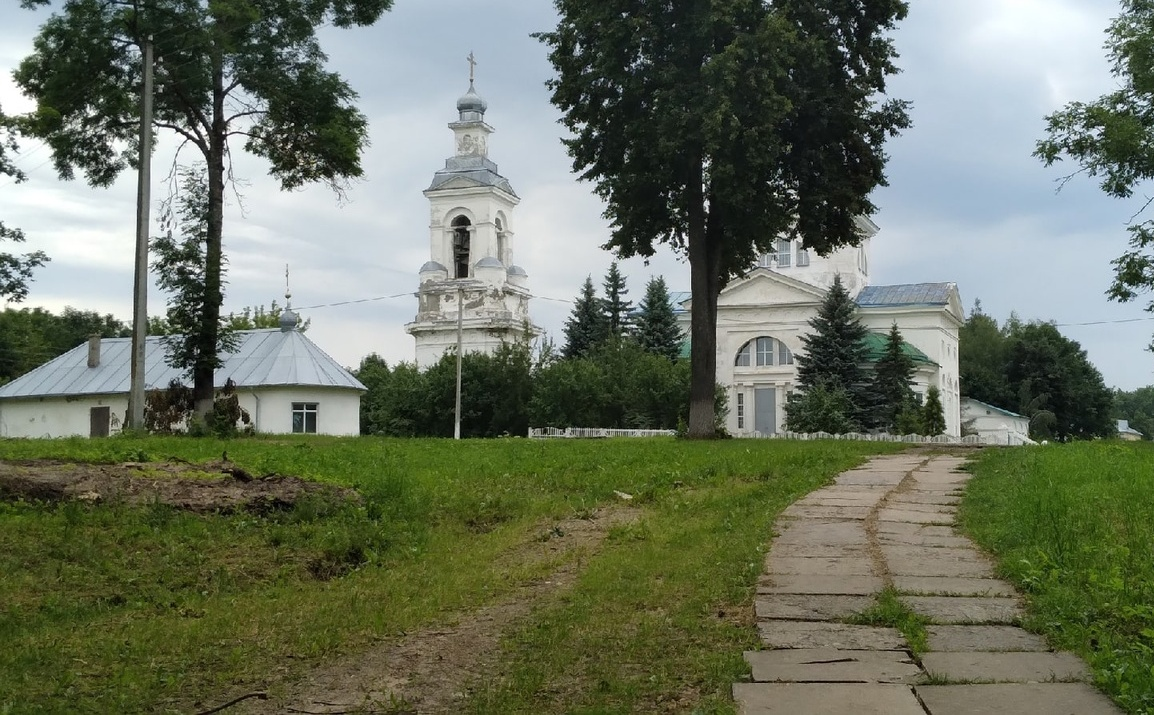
column 305, row 410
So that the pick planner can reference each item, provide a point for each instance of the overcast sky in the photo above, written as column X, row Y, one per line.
column 966, row 202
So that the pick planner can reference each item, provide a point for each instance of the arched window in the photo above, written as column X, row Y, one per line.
column 502, row 243
column 763, row 352
column 461, row 247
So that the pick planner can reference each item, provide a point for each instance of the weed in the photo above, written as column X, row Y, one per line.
column 888, row 610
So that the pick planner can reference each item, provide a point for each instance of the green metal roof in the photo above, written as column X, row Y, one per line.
column 876, row 345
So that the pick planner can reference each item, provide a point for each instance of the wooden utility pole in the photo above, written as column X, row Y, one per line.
column 140, row 283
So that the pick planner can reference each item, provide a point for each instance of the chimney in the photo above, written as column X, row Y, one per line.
column 93, row 351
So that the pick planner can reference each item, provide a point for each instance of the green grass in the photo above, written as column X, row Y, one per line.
column 889, row 611
column 107, row 608
column 1073, row 527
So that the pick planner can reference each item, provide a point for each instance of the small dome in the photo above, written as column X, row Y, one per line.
column 433, row 267
column 471, row 102
column 490, row 262
column 288, row 320
column 517, row 271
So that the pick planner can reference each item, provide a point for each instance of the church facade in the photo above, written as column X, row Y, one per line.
column 470, row 289
column 762, row 316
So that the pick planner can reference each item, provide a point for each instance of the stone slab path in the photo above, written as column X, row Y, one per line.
column 890, row 524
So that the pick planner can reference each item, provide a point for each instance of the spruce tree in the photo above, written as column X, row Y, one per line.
column 656, row 327
column 586, row 327
column 933, row 416
column 892, row 381
column 614, row 306
column 835, row 354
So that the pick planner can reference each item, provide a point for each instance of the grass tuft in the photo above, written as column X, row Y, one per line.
column 889, row 610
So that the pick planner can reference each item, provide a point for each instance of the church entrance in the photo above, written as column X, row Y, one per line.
column 765, row 410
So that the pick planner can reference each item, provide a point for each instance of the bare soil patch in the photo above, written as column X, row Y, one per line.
column 210, row 487
column 433, row 670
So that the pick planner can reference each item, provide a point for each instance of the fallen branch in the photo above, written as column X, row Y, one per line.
column 260, row 695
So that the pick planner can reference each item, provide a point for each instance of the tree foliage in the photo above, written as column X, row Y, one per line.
column 893, row 377
column 615, row 307
column 933, row 420
column 1112, row 139
column 835, row 358
column 586, row 327
column 31, row 337
column 655, row 327
column 15, row 269
column 1032, row 369
column 250, row 69
column 716, row 127
column 823, row 407
column 1137, row 408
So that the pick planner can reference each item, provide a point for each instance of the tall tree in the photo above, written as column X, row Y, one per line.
column 614, row 305
column 15, row 270
column 892, row 381
column 586, row 327
column 1112, row 138
column 982, row 360
column 717, row 127
column 252, row 68
column 656, row 327
column 835, row 355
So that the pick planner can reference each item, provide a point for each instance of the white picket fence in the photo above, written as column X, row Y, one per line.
column 595, row 432
column 1007, row 438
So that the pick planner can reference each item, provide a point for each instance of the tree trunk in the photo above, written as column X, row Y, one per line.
column 204, row 371
column 705, row 284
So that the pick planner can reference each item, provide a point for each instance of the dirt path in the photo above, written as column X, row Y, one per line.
column 432, row 670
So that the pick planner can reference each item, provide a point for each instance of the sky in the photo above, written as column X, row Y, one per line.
column 966, row 201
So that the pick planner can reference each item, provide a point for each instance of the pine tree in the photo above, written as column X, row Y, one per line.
column 835, row 353
column 892, row 381
column 614, row 306
column 656, row 327
column 933, row 417
column 586, row 327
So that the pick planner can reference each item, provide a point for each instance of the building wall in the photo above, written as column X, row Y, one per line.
column 338, row 412
column 988, row 422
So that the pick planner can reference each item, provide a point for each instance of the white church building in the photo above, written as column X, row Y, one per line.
column 470, row 288
column 762, row 316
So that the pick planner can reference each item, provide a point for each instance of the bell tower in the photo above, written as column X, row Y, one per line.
column 470, row 283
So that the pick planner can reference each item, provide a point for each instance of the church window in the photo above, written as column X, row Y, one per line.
column 502, row 243
column 784, row 252
column 304, row 418
column 740, row 410
column 763, row 352
column 461, row 247
column 802, row 257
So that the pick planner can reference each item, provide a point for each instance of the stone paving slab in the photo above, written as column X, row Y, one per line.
column 937, row 476
column 778, row 564
column 946, row 610
column 1015, row 699
column 924, row 564
column 966, row 554
column 1005, row 667
column 983, row 638
column 813, row 634
column 925, row 508
column 914, row 517
column 827, row 512
column 818, row 551
column 826, row 665
column 821, row 532
column 807, row 607
column 824, row 585
column 946, row 586
column 888, row 479
column 944, row 542
column 915, row 497
column 821, row 500
column 825, row 699
column 911, row 529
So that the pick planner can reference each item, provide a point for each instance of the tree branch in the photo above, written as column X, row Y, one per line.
column 188, row 136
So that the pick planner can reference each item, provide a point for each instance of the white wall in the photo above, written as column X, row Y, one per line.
column 43, row 417
column 991, row 423
column 338, row 412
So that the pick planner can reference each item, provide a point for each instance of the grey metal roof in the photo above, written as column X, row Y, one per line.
column 677, row 297
column 995, row 408
column 478, row 170
column 263, row 358
column 910, row 294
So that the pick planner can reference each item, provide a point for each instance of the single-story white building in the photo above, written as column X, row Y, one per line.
column 998, row 426
column 1128, row 433
column 283, row 380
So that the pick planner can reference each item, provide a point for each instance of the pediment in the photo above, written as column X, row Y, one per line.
column 459, row 182
column 763, row 287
